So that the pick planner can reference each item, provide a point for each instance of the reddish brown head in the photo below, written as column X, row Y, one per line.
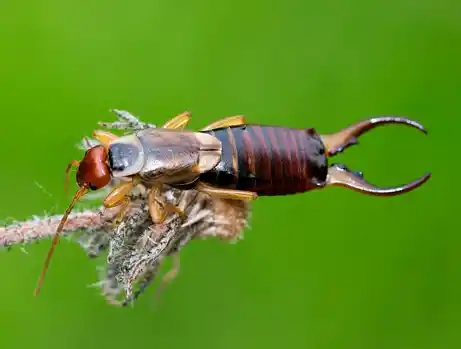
column 93, row 171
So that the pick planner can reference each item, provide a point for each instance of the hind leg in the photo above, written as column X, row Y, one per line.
column 227, row 122
column 170, row 275
column 226, row 193
column 179, row 122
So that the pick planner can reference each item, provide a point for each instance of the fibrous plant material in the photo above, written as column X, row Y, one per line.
column 136, row 248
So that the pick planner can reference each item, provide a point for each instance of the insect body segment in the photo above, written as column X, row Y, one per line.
column 269, row 160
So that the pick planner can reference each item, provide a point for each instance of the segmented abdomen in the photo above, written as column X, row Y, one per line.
column 268, row 160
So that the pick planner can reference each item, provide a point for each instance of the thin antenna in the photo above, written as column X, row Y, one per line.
column 81, row 191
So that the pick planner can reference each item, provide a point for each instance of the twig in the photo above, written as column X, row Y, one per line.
column 38, row 228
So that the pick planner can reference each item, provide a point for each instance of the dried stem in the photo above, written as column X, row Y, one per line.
column 38, row 228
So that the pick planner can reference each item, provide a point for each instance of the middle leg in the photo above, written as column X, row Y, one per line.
column 158, row 208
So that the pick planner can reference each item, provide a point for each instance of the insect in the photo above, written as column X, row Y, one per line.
column 228, row 159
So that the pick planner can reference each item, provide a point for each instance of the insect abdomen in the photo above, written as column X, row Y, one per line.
column 268, row 160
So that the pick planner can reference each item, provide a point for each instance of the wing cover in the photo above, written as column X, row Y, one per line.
column 172, row 153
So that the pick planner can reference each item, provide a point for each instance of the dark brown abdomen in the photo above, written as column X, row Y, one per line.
column 268, row 160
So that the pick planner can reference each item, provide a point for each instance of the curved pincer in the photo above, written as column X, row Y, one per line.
column 337, row 142
column 340, row 175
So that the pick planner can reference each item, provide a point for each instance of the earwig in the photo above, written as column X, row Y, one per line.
column 228, row 159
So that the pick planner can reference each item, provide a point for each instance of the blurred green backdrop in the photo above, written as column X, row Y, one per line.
column 328, row 269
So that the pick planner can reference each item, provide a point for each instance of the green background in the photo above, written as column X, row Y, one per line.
column 327, row 269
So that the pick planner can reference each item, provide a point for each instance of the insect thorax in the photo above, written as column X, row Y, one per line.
column 126, row 156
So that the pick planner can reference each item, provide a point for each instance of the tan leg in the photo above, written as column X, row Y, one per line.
column 170, row 275
column 125, row 204
column 226, row 193
column 178, row 122
column 119, row 197
column 230, row 121
column 74, row 163
column 104, row 137
column 158, row 208
column 156, row 211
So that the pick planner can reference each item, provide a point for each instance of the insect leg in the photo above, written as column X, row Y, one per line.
column 226, row 193
column 104, row 137
column 125, row 203
column 74, row 163
column 119, row 197
column 158, row 208
column 170, row 275
column 178, row 122
column 230, row 121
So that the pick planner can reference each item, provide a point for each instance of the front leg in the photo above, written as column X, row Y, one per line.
column 73, row 163
column 119, row 197
column 104, row 137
